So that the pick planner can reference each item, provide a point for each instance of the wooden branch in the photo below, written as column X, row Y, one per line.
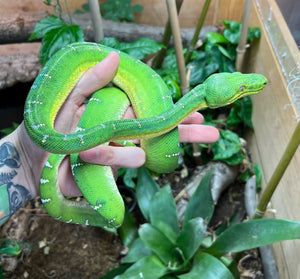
column 18, row 63
column 18, row 28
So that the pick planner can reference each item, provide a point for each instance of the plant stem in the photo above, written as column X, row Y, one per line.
column 278, row 173
column 197, row 31
column 184, row 84
column 241, row 49
column 96, row 19
column 157, row 63
column 68, row 11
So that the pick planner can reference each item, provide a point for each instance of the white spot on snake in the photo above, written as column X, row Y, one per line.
column 34, row 86
column 45, row 138
column 172, row 155
column 37, row 102
column 27, row 111
column 73, row 48
column 141, row 275
column 45, row 200
column 166, row 97
column 48, row 76
column 58, row 218
column 97, row 207
column 44, row 181
column 75, row 166
column 79, row 129
column 102, row 126
column 35, row 127
column 95, row 99
column 81, row 139
column 69, row 221
column 86, row 222
column 65, row 137
column 47, row 165
column 112, row 220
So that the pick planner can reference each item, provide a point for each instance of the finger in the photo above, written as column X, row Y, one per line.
column 96, row 77
column 195, row 118
column 66, row 181
column 198, row 133
column 117, row 157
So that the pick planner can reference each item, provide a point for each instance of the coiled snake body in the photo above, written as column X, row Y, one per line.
column 157, row 118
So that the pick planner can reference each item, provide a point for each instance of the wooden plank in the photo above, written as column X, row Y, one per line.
column 154, row 12
column 274, row 119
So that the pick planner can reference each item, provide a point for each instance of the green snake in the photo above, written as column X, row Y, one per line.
column 155, row 126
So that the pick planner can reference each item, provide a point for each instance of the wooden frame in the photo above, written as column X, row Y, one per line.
column 275, row 114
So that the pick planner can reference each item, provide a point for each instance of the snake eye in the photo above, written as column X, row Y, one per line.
column 242, row 88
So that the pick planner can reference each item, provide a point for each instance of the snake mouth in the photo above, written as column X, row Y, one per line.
column 251, row 91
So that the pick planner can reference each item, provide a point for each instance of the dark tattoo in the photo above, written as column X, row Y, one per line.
column 12, row 196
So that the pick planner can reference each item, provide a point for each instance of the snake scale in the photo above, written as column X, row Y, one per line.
column 157, row 119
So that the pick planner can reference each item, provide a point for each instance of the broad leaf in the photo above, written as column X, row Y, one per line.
column 148, row 267
column 117, row 271
column 163, row 213
column 137, row 251
column 241, row 112
column 138, row 49
column 155, row 240
column 128, row 231
column 191, row 237
column 206, row 266
column 228, row 145
column 45, row 25
column 57, row 38
column 145, row 189
column 253, row 234
column 201, row 204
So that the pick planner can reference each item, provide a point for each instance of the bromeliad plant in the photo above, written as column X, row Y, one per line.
column 165, row 249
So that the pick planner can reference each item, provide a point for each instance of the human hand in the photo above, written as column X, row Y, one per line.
column 190, row 130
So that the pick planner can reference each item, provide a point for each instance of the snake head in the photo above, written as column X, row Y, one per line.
column 225, row 88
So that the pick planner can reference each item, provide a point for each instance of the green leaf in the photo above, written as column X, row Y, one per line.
column 235, row 159
column 241, row 113
column 253, row 32
column 232, row 31
column 129, row 176
column 119, row 10
column 138, row 49
column 128, row 231
column 206, row 266
column 57, row 38
column 155, row 240
column 228, row 145
column 9, row 247
column 137, row 251
column 110, row 42
column 191, row 237
column 201, row 203
column 216, row 38
column 45, row 25
column 163, row 213
column 117, row 271
column 145, row 189
column 253, row 234
column 147, row 267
